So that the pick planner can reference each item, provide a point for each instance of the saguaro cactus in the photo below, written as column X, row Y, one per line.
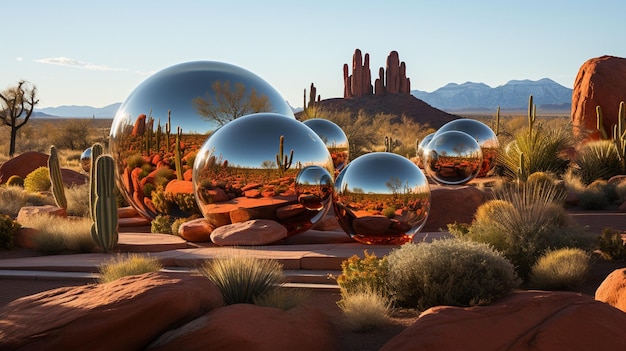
column 178, row 156
column 96, row 151
column 104, row 228
column 58, row 189
column 282, row 160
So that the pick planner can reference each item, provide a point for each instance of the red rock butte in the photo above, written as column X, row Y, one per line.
column 392, row 80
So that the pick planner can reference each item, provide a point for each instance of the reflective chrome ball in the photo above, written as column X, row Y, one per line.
column 264, row 166
column 420, row 149
column 161, row 125
column 483, row 134
column 334, row 138
column 381, row 198
column 452, row 158
column 85, row 160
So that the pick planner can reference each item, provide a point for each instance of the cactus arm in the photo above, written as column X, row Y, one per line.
column 58, row 189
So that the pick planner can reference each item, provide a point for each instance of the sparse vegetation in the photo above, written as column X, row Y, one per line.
column 611, row 245
column 13, row 198
column 8, row 229
column 283, row 298
column 364, row 310
column 363, row 274
column 57, row 234
column 560, row 269
column 127, row 265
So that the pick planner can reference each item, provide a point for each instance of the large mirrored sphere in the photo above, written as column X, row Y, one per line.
column 162, row 124
column 264, row 166
column 483, row 134
column 85, row 160
column 421, row 145
column 381, row 198
column 334, row 138
column 452, row 158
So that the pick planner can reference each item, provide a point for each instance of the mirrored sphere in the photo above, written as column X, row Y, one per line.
column 264, row 166
column 162, row 124
column 85, row 160
column 381, row 198
column 420, row 149
column 452, row 158
column 334, row 138
column 483, row 134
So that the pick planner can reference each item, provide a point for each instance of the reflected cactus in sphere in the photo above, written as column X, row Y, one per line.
column 163, row 122
column 334, row 138
column 264, row 166
column 483, row 134
column 381, row 198
column 452, row 158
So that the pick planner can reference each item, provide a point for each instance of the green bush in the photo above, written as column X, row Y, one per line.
column 242, row 279
column 363, row 274
column 560, row 269
column 161, row 224
column 597, row 159
column 38, row 180
column 8, row 229
column 448, row 272
column 611, row 245
column 15, row 180
column 127, row 265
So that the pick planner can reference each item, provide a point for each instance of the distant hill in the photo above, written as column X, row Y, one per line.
column 79, row 111
column 511, row 96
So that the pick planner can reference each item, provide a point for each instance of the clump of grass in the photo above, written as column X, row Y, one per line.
column 283, row 298
column 78, row 200
column 560, row 269
column 57, row 234
column 13, row 198
column 597, row 159
column 611, row 245
column 8, row 229
column 364, row 310
column 448, row 272
column 127, row 265
column 242, row 279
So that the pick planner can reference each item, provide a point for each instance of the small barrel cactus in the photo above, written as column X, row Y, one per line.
column 15, row 180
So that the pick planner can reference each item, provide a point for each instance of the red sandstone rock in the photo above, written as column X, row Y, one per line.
column 601, row 81
column 452, row 204
column 250, row 327
column 196, row 230
column 22, row 164
column 29, row 211
column 176, row 186
column 71, row 177
column 359, row 83
column 533, row 320
column 290, row 211
column 253, row 232
column 371, row 225
column 127, row 314
column 140, row 125
column 241, row 215
column 613, row 289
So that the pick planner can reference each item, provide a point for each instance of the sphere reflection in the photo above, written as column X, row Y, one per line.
column 483, row 134
column 85, row 160
column 452, row 158
column 264, row 166
column 381, row 198
column 161, row 125
column 420, row 149
column 334, row 138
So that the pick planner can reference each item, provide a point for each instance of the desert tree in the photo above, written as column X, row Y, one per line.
column 17, row 105
column 226, row 104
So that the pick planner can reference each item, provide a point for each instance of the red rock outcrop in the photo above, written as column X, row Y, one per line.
column 613, row 289
column 252, row 232
column 127, row 314
column 22, row 164
column 196, row 230
column 249, row 327
column 140, row 125
column 359, row 83
column 601, row 81
column 449, row 205
column 533, row 320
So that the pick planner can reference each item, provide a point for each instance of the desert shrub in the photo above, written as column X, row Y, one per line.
column 161, row 224
column 620, row 191
column 72, row 135
column 363, row 274
column 127, row 265
column 242, row 279
column 78, row 200
column 15, row 180
column 13, row 198
column 593, row 198
column 611, row 245
column 163, row 175
column 8, row 229
column 389, row 212
column 364, row 310
column 448, row 272
column 38, row 180
column 57, row 234
column 283, row 298
column 597, row 159
column 560, row 269
column 135, row 161
column 178, row 221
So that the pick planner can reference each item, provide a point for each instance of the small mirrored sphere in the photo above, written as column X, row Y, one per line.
column 85, row 160
column 452, row 158
column 483, row 134
column 264, row 166
column 381, row 198
column 420, row 149
column 162, row 124
column 334, row 138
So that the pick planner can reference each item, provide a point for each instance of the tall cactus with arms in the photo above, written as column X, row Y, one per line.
column 104, row 206
column 58, row 189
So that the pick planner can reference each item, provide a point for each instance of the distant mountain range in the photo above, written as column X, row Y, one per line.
column 73, row 111
column 513, row 95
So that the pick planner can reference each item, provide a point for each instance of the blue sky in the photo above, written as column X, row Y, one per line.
column 96, row 52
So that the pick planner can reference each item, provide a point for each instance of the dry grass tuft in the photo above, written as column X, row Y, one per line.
column 126, row 265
